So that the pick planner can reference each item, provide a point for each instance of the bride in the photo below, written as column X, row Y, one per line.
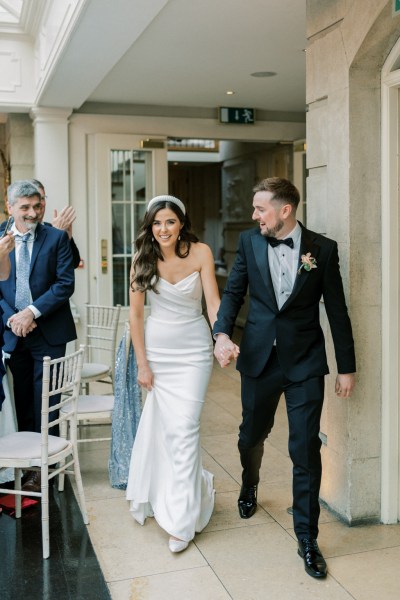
column 174, row 358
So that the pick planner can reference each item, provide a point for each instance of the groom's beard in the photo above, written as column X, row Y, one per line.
column 272, row 231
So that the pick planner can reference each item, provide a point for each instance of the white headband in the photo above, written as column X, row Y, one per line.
column 166, row 198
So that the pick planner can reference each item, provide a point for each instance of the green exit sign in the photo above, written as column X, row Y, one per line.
column 236, row 115
column 396, row 6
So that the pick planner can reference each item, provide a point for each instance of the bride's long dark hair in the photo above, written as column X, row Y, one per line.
column 148, row 251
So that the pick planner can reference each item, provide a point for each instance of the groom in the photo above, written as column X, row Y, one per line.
column 286, row 269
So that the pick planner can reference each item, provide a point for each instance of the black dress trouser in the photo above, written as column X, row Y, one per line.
column 304, row 400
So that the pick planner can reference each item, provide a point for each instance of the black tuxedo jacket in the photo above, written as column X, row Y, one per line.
column 296, row 326
column 52, row 283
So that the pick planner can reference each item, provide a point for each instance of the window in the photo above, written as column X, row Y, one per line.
column 130, row 171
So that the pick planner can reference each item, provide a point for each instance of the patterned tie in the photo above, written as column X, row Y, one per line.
column 22, row 291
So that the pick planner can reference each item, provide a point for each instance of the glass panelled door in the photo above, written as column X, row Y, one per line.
column 129, row 169
column 123, row 177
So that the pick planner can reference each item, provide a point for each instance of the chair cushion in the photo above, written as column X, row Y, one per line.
column 26, row 444
column 93, row 404
column 90, row 370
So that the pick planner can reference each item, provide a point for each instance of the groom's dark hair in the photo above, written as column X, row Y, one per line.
column 283, row 190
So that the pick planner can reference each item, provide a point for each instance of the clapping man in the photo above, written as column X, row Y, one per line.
column 286, row 269
column 37, row 318
column 62, row 220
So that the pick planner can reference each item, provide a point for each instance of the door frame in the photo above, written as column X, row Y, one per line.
column 99, row 152
column 390, row 137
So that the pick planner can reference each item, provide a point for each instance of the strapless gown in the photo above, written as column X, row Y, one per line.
column 166, row 478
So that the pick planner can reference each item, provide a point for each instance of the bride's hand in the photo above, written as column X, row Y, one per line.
column 145, row 377
column 225, row 350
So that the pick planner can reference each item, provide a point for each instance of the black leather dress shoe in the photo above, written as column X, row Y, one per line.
column 314, row 562
column 33, row 483
column 247, row 502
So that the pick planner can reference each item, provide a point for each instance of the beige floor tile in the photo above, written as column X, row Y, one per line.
column 215, row 420
column 224, row 378
column 276, row 498
column 224, row 384
column 226, row 387
column 226, row 515
column 97, row 487
column 275, row 467
column 223, row 482
column 260, row 563
column 126, row 549
column 230, row 402
column 232, row 558
column 192, row 584
column 94, row 469
column 230, row 370
column 223, row 448
column 369, row 575
column 338, row 539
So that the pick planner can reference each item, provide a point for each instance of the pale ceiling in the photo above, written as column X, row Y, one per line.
column 183, row 53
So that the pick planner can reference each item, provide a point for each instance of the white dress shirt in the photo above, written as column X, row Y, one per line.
column 18, row 236
column 283, row 263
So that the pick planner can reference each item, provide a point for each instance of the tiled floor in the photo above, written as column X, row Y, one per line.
column 233, row 558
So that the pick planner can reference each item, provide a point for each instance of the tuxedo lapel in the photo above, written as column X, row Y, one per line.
column 306, row 245
column 260, row 248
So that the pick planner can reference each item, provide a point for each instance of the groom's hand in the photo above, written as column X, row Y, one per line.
column 345, row 384
column 225, row 350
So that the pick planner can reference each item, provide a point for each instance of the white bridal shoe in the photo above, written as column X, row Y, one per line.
column 177, row 545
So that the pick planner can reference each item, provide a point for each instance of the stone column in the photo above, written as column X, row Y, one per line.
column 52, row 154
column 19, row 146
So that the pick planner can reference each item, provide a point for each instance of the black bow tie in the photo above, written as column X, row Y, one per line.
column 274, row 242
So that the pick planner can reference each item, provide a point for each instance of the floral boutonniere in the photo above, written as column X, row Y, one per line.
column 308, row 262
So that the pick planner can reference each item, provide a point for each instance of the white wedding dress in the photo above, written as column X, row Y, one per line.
column 166, row 478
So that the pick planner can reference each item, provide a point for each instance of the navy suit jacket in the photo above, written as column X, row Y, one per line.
column 296, row 326
column 52, row 283
column 76, row 257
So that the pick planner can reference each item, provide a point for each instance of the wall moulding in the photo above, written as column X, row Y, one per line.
column 10, row 68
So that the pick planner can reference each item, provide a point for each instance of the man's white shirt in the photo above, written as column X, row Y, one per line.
column 283, row 263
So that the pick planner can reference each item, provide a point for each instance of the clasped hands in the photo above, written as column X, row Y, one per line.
column 225, row 350
column 22, row 322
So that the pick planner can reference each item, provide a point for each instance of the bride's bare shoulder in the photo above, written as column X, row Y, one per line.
column 201, row 250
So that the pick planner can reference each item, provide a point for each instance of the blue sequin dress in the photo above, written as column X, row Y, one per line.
column 126, row 414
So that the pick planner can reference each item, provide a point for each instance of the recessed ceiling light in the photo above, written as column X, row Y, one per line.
column 229, row 92
column 263, row 74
